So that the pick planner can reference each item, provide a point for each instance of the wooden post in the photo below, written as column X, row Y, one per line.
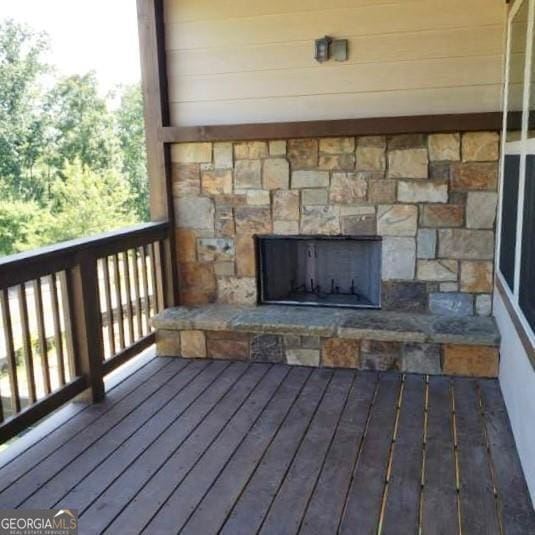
column 85, row 310
column 156, row 114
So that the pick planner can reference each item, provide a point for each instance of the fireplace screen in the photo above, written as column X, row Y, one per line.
column 341, row 271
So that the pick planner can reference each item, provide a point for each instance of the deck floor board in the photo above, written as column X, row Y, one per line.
column 227, row 447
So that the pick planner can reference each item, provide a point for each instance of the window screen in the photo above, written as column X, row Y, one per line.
column 527, row 263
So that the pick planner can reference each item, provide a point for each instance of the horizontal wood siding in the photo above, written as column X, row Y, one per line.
column 237, row 61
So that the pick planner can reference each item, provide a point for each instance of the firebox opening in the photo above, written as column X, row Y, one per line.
column 336, row 271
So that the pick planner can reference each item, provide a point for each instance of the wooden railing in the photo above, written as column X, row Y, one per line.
column 73, row 312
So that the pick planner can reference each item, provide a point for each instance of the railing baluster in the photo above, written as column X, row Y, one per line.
column 119, row 299
column 10, row 350
column 58, row 339
column 67, row 323
column 27, row 343
column 109, row 306
column 159, row 274
column 137, row 293
column 145, row 278
column 128, row 289
column 43, row 350
column 156, row 302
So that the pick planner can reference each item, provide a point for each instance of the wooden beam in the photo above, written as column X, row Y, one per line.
column 156, row 114
column 464, row 122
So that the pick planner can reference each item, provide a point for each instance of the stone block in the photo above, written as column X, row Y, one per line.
column 444, row 147
column 337, row 145
column 474, row 361
column 407, row 141
column 237, row 290
column 191, row 152
column 481, row 209
column 303, row 153
column 451, row 304
column 421, row 358
column 310, row 179
column 449, row 287
column 252, row 220
column 167, row 343
column 408, row 163
column 382, row 191
column 286, row 205
column 404, row 296
column 215, row 249
column 230, row 201
column 429, row 191
column 439, row 170
column 348, row 188
column 303, row 357
column 186, row 180
column 310, row 342
column 466, row 244
column 337, row 162
column 194, row 212
column 382, row 356
column 476, row 277
column 481, row 146
column 216, row 182
column 247, row 174
column 224, row 222
column 267, row 348
column 286, row 227
column 276, row 173
column 224, row 269
column 277, row 148
column 250, row 150
column 359, row 225
column 193, row 344
column 186, row 245
column 437, row 270
column 245, row 256
column 312, row 197
column 197, row 282
column 484, row 305
column 292, row 341
column 442, row 215
column 320, row 220
column 340, row 353
column 258, row 197
column 474, row 176
column 426, row 243
column 397, row 220
column 227, row 345
column 223, row 156
column 399, row 258
column 371, row 153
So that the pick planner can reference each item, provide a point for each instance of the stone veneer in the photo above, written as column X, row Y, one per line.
column 431, row 197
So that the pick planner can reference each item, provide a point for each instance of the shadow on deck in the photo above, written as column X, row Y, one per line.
column 201, row 447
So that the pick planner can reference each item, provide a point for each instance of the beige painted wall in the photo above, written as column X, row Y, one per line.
column 239, row 61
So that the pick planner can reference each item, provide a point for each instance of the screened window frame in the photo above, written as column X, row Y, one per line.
column 521, row 147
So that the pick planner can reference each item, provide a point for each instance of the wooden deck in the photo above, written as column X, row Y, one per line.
column 204, row 447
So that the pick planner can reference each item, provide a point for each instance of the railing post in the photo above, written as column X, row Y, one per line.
column 87, row 334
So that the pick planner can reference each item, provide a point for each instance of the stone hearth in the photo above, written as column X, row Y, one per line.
column 432, row 199
column 378, row 340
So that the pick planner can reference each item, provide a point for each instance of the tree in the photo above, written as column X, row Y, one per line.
column 82, row 127
column 21, row 127
column 88, row 202
column 131, row 131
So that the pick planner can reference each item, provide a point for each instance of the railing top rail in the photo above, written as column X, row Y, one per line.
column 21, row 267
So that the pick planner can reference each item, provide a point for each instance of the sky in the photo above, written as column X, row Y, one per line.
column 99, row 35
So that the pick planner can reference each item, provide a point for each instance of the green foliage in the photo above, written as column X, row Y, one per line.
column 130, row 127
column 70, row 165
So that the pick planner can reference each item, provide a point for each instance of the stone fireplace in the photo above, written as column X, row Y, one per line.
column 431, row 198
column 331, row 271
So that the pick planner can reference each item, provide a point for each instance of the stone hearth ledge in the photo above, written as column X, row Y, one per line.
column 377, row 325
